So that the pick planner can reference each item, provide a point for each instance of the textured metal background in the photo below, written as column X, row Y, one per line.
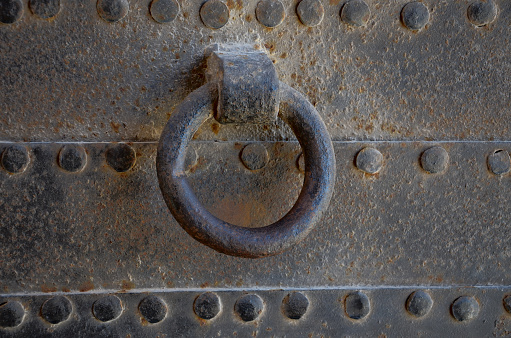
column 78, row 79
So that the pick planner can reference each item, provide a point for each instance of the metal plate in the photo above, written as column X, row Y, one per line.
column 76, row 79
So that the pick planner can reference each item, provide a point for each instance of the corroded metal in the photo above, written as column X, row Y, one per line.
column 313, row 200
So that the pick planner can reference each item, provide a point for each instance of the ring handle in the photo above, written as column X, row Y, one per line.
column 222, row 236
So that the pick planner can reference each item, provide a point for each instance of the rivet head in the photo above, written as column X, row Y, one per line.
column 481, row 13
column 72, row 158
column 254, row 156
column 357, row 305
column 270, row 13
column 207, row 305
column 164, row 11
column 295, row 305
column 107, row 308
column 465, row 308
column 10, row 11
column 355, row 13
column 310, row 12
column 11, row 314
column 369, row 160
column 507, row 303
column 121, row 157
column 415, row 15
column 45, row 9
column 435, row 160
column 300, row 163
column 419, row 303
column 153, row 309
column 56, row 310
column 249, row 307
column 112, row 10
column 499, row 162
column 15, row 159
column 214, row 14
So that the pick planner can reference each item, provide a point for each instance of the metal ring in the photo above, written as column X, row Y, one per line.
column 227, row 238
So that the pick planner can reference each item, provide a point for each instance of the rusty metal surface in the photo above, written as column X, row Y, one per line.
column 94, row 80
column 319, row 177
column 101, row 229
column 327, row 313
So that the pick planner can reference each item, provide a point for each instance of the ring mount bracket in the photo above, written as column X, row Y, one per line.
column 248, row 85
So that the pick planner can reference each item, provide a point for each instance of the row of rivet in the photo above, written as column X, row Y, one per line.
column 370, row 160
column 270, row 13
column 248, row 307
column 73, row 158
column 254, row 156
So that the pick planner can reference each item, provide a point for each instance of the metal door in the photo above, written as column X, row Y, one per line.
column 414, row 96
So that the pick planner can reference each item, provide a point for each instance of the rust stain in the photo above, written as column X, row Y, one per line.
column 215, row 127
column 47, row 288
column 115, row 126
column 86, row 286
column 127, row 285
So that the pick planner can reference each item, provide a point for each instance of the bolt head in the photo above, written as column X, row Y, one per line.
column 310, row 12
column 207, row 305
column 254, row 156
column 72, row 158
column 295, row 305
column 10, row 11
column 465, row 308
column 56, row 310
column 357, row 305
column 15, row 159
column 355, row 13
column 214, row 14
column 435, row 160
column 153, row 309
column 249, row 307
column 419, row 303
column 369, row 160
column 415, row 15
column 121, row 157
column 270, row 13
column 112, row 10
column 499, row 162
column 45, row 9
column 12, row 314
column 482, row 13
column 107, row 308
column 164, row 11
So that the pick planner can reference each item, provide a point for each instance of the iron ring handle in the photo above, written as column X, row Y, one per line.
column 227, row 238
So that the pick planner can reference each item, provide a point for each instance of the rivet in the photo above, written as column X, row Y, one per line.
column 10, row 11
column 465, row 308
column 310, row 12
column 45, row 9
column 11, row 314
column 254, row 156
column 207, row 305
column 164, row 11
column 295, row 305
column 112, row 10
column 153, row 309
column 481, row 13
column 499, row 162
column 15, row 159
column 415, row 15
column 355, row 13
column 121, row 157
column 419, row 303
column 107, row 308
column 369, row 160
column 300, row 163
column 249, row 307
column 270, row 13
column 214, row 14
column 72, row 158
column 357, row 305
column 56, row 310
column 507, row 303
column 435, row 160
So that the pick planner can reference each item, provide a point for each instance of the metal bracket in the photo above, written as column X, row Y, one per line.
column 248, row 86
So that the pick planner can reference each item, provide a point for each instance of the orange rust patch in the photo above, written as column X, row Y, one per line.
column 215, row 127
column 47, row 288
column 87, row 286
column 127, row 285
column 115, row 126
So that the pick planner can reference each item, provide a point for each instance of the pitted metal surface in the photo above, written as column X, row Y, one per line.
column 92, row 80
column 413, row 94
column 101, row 229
